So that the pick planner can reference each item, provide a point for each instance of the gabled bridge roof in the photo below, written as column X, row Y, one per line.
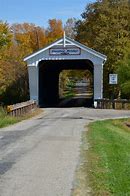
column 67, row 42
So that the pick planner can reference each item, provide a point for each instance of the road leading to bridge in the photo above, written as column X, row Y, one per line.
column 38, row 157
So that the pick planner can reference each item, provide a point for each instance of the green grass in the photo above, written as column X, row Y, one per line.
column 6, row 120
column 108, row 166
column 104, row 168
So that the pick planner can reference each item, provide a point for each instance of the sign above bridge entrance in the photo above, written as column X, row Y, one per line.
column 65, row 51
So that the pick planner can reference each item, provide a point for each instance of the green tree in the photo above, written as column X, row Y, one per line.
column 124, row 74
column 106, row 28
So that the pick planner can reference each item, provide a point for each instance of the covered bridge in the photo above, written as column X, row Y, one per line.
column 45, row 65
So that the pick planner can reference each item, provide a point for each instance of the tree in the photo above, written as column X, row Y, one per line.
column 13, row 76
column 5, row 35
column 106, row 28
column 124, row 74
column 70, row 28
column 5, row 42
column 28, row 37
column 55, row 30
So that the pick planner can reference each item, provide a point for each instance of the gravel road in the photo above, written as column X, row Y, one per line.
column 38, row 157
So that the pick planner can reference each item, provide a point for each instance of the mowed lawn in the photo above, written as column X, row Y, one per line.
column 106, row 162
column 109, row 157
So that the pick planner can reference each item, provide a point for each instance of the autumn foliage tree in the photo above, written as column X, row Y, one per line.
column 55, row 30
column 5, row 42
column 28, row 37
column 16, row 42
column 13, row 71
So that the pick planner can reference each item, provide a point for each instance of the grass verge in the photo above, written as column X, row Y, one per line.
column 6, row 120
column 105, row 165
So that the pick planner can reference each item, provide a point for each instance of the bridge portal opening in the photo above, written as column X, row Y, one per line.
column 51, row 92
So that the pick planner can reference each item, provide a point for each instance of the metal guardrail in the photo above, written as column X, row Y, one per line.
column 113, row 104
column 21, row 108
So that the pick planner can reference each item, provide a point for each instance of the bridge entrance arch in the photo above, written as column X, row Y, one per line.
column 45, row 66
column 49, row 72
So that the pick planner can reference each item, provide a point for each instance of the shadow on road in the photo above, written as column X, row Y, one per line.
column 71, row 102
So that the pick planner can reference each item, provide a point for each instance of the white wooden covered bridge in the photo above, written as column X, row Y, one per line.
column 45, row 65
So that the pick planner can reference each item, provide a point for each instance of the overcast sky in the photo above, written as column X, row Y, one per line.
column 40, row 11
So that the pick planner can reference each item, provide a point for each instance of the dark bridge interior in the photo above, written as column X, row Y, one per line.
column 49, row 82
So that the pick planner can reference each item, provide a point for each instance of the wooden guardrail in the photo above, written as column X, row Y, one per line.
column 113, row 104
column 21, row 108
